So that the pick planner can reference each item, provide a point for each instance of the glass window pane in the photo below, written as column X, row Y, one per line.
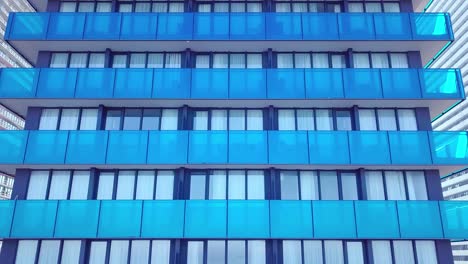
column 349, row 186
column 355, row 252
column 309, row 185
column 285, row 61
column 236, row 185
column 142, row 7
column 145, row 185
column 338, row 61
column 320, row 60
column 169, row 119
column 49, row 119
column 119, row 252
column 219, row 120
column 426, row 252
column 86, row 7
column 59, row 60
column 302, row 60
column 125, row 8
column 361, row 60
column 334, row 251
column 254, row 120
column 255, row 185
column 216, row 252
column 313, row 251
column 140, row 251
column 373, row 8
column 399, row 60
column 381, row 252
column 151, row 119
column 119, row 61
column 37, row 187
column 202, row 61
column 417, row 189
column 49, row 251
column 356, row 7
column 173, row 60
column 286, row 120
column 97, row 254
column 329, row 185
column 292, row 252
column 367, row 119
column 374, row 185
column 132, row 119
column 305, row 119
column 220, row 61
column 137, row 60
column 105, row 186
column 323, row 119
column 78, row 60
column 161, row 251
column 195, row 252
column 67, row 7
column 343, row 120
column 88, row 119
column 236, row 120
column 289, row 185
column 125, row 185
column 197, row 186
column 380, row 60
column 69, row 119
column 160, row 7
column 80, row 185
column 165, row 185
column 407, row 119
column 217, row 185
column 59, row 185
column 71, row 251
column 26, row 252
column 236, row 252
column 155, row 60
column 403, row 251
column 96, row 60
column 200, row 120
column 395, row 184
column 113, row 118
column 387, row 120
column 254, row 61
column 237, row 61
column 391, row 7
column 104, row 7
column 256, row 252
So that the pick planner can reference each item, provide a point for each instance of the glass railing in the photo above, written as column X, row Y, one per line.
column 252, row 219
column 107, row 83
column 229, row 26
column 234, row 147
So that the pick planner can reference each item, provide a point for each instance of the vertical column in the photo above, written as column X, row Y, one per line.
column 355, row 118
column 8, row 252
column 444, row 251
column 349, row 57
column 108, row 59
column 179, row 182
column 414, row 59
column 93, row 183
column 434, row 188
column 20, row 187
column 33, row 118
column 423, row 118
column 101, row 119
column 83, row 252
column 406, row 6
column 43, row 59
column 361, row 181
column 53, row 6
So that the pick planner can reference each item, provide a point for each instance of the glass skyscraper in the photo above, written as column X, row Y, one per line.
column 211, row 132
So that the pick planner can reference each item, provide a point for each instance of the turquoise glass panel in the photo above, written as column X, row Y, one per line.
column 210, row 83
column 13, row 146
column 6, row 211
column 120, row 219
column 328, row 147
column 357, row 26
column 400, row 83
column 291, row 219
column 133, row 83
column 167, row 147
column 392, row 26
column 87, row 147
column 319, row 26
column 334, row 219
column 430, row 26
column 205, row 219
column 127, row 147
column 95, row 83
column 454, row 219
column 286, row 83
column 66, row 26
column 288, row 147
column 139, row 26
column 419, row 219
column 409, row 147
column 248, row 219
column 46, row 147
column 208, row 147
column 29, row 26
column 376, row 219
column 449, row 147
column 324, row 83
column 283, row 26
column 369, row 147
column 102, row 26
column 441, row 83
column 207, row 26
column 247, row 84
column 56, row 83
column 175, row 26
column 171, row 83
column 362, row 83
column 163, row 219
column 77, row 219
column 34, row 219
column 247, row 26
column 248, row 147
column 18, row 83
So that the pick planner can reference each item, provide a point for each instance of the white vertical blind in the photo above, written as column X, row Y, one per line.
column 215, row 252
column 236, row 185
column 88, row 119
column 140, row 250
column 219, row 120
column 374, row 185
column 320, row 60
column 380, row 60
column 426, row 252
column 313, row 251
column 254, row 61
column 202, row 61
column 80, row 185
column 71, row 252
column 395, row 183
column 59, row 60
column 67, row 7
column 302, row 60
column 197, row 187
column 355, row 252
column 417, row 189
column 138, row 60
column 125, row 185
column 289, row 185
column 69, row 119
column 256, row 252
column 387, row 120
column 237, row 61
column 169, row 119
column 305, row 119
column 334, row 252
column 165, row 185
column 329, row 185
column 97, row 254
column 407, row 119
column 26, row 252
column 145, row 185
column 236, row 251
column 367, row 119
column 200, row 120
column 349, row 186
column 49, row 119
column 217, row 185
column 399, row 60
column 292, row 252
column 221, row 61
column 285, row 60
column 105, row 186
column 236, row 120
column 286, row 119
column 119, row 251
column 309, row 185
column 155, row 60
column 323, row 119
column 49, row 251
column 381, row 252
column 254, row 119
column 96, row 60
column 161, row 251
column 59, row 185
column 119, row 61
column 255, row 185
column 403, row 252
column 78, row 60
column 37, row 187
column 195, row 252
column 361, row 60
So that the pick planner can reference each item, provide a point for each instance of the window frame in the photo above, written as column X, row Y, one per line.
column 78, row 2
column 211, row 58
column 212, row 4
column 380, row 2
column 123, row 110
column 128, row 56
column 70, row 53
column 376, row 115
column 49, row 182
column 405, row 179
column 327, row 7
column 192, row 111
column 311, row 54
column 387, row 53
column 80, row 115
column 333, row 116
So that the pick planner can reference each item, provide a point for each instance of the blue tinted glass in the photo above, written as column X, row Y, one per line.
column 87, row 147
column 205, row 219
column 362, row 83
column 288, row 147
column 324, row 83
column 291, row 219
column 247, row 26
column 57, row 83
column 18, row 83
column 441, row 83
column 163, row 219
column 286, row 83
column 211, row 26
column 248, row 219
column 449, row 147
column 357, row 26
column 167, row 147
column 173, row 26
column 77, row 219
column 409, row 147
column 34, row 219
column 455, row 219
column 430, row 26
column 120, row 219
column 208, row 147
column 133, row 83
column 247, row 83
column 171, row 83
column 210, row 83
column 46, row 147
column 400, row 83
column 319, row 26
column 139, row 26
column 334, row 219
column 102, row 26
column 376, row 219
column 328, row 147
column 6, row 211
column 29, row 26
column 283, row 26
column 67, row 26
column 419, row 219
column 127, row 147
column 95, row 83
column 13, row 146
column 248, row 147
column 368, row 147
column 392, row 26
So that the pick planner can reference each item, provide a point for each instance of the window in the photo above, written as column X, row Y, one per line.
column 228, row 119
column 147, row 60
column 404, row 251
column 48, row 251
column 308, row 6
column 138, row 251
column 395, row 185
column 75, row 6
column 142, row 119
column 234, row 251
column 310, row 60
column 374, row 6
column 380, row 60
column 238, row 6
column 229, row 60
column 314, row 119
column 326, row 251
column 77, row 60
column 58, row 185
column 152, row 6
column 68, row 119
column 387, row 119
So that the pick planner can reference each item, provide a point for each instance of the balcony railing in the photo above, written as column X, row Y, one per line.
column 232, row 83
column 234, row 147
column 229, row 26
column 252, row 219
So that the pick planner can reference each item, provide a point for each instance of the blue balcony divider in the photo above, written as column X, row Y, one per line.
column 392, row 26
column 168, row 147
column 18, row 83
column 334, row 219
column 362, row 83
column 28, row 26
column 288, row 147
column 57, row 83
column 324, row 84
column 13, row 146
column 46, row 147
column 439, row 84
column 34, row 219
column 319, row 26
column 211, row 26
column 400, row 83
column 6, row 211
column 455, row 219
column 127, row 147
column 248, row 147
column 285, row 84
column 247, row 26
column 87, row 147
column 283, row 26
column 205, row 219
column 77, row 219
column 327, row 147
column 377, row 219
column 291, row 219
column 210, row 83
column 250, row 84
column 355, row 26
column 172, row 83
column 175, row 26
column 207, row 147
column 419, row 219
column 133, row 83
column 103, row 26
column 435, row 26
column 163, row 219
column 449, row 147
column 409, row 147
column 369, row 147
column 95, row 83
column 141, row 26
column 66, row 26
column 120, row 219
column 248, row 219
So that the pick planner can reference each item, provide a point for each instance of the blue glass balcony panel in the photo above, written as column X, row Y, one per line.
column 247, row 26
column 409, row 147
column 167, row 147
column 319, row 26
column 6, row 211
column 102, row 26
column 141, row 26
column 248, row 219
column 77, row 219
column 431, row 26
column 439, row 84
column 18, row 83
column 207, row 26
column 247, row 84
column 175, row 26
column 46, row 147
column 419, row 219
column 288, row 147
column 208, row 147
column 449, row 147
column 334, row 219
column 120, row 219
column 455, row 219
column 362, row 83
column 205, row 219
column 369, row 147
column 66, row 26
column 163, row 219
column 171, row 83
column 400, row 83
column 28, row 26
column 34, row 219
column 326, row 147
column 356, row 26
column 210, row 83
column 13, row 146
column 377, row 219
column 390, row 26
column 95, row 83
column 87, row 147
column 285, row 84
column 291, row 219
column 283, row 26
column 127, row 147
column 248, row 147
column 324, row 84
column 57, row 83
column 133, row 83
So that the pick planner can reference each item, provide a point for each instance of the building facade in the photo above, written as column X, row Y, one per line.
column 201, row 132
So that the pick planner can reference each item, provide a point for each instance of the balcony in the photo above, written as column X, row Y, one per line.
column 433, row 88
column 221, row 219
column 30, row 32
